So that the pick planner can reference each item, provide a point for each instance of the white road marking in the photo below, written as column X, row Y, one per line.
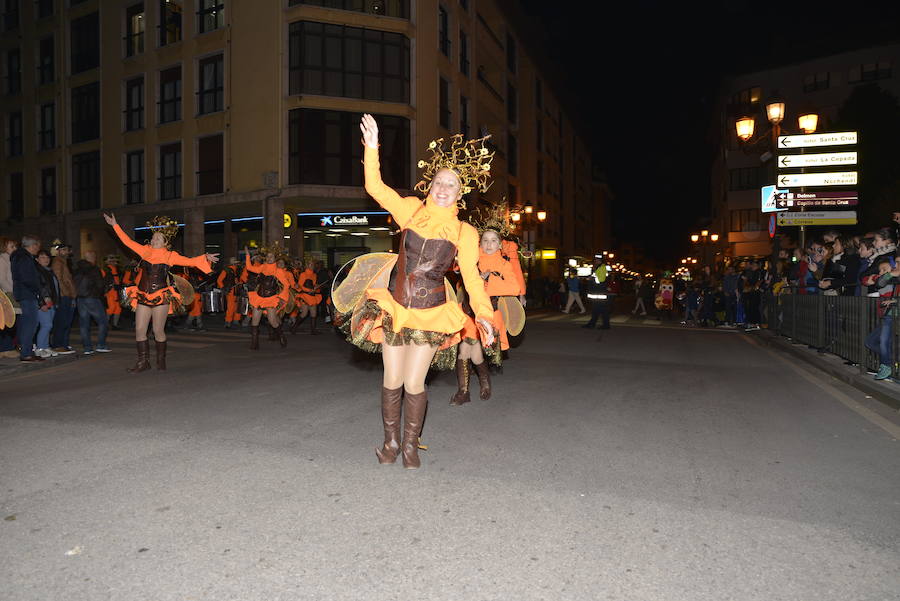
column 845, row 399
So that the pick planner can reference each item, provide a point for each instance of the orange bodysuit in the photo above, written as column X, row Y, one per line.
column 150, row 259
column 502, row 280
column 423, row 224
column 112, row 295
column 309, row 294
column 228, row 279
column 273, row 296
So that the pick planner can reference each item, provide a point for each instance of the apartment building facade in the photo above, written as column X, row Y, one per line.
column 240, row 119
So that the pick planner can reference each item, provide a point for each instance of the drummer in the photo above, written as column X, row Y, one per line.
column 228, row 282
column 247, row 283
column 194, row 320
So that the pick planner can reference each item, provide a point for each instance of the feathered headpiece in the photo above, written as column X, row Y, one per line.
column 469, row 160
column 276, row 249
column 166, row 226
column 494, row 218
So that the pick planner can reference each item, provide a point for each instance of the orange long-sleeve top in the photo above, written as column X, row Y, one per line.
column 272, row 269
column 502, row 279
column 156, row 256
column 434, row 222
column 308, row 275
column 511, row 250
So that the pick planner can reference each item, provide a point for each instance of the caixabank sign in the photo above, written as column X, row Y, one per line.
column 342, row 220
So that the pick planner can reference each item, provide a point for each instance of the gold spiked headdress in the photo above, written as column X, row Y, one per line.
column 469, row 160
column 276, row 249
column 493, row 218
column 166, row 226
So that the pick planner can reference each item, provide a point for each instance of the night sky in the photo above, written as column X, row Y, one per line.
column 642, row 77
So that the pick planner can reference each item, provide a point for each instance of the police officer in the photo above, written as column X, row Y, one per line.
column 598, row 294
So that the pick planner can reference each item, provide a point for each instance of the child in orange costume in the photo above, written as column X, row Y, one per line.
column 502, row 275
column 270, row 295
column 153, row 295
column 113, row 277
column 412, row 319
column 227, row 282
column 310, row 295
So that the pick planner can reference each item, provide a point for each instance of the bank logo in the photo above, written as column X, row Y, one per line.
column 327, row 221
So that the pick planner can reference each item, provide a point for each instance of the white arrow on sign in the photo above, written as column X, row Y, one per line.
column 841, row 178
column 827, row 159
column 805, row 141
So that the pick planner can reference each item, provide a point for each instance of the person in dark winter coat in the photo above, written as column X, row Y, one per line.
column 91, row 288
column 27, row 291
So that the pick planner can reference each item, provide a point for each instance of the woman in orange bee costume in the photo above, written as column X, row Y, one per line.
column 499, row 267
column 154, row 294
column 273, row 284
column 412, row 321
column 310, row 296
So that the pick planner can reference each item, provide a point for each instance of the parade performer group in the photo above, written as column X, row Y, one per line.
column 411, row 321
column 154, row 295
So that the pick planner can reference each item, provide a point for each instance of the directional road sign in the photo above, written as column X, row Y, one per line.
column 805, row 141
column 839, row 178
column 791, row 161
column 801, row 200
column 817, row 218
column 769, row 200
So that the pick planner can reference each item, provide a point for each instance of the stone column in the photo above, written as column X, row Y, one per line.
column 194, row 233
column 229, row 244
column 273, row 220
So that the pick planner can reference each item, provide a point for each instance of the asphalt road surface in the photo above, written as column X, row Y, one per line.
column 639, row 463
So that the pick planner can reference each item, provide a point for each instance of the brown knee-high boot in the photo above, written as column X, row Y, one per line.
column 161, row 355
column 312, row 325
column 484, row 379
column 279, row 335
column 414, row 406
column 462, row 379
column 391, row 401
column 143, row 360
column 254, row 338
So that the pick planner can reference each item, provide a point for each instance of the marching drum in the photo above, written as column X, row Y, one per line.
column 213, row 301
column 243, row 305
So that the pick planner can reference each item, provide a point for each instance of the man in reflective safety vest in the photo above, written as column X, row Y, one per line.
column 599, row 296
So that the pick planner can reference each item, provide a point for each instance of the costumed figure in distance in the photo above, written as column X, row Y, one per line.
column 155, row 294
column 271, row 295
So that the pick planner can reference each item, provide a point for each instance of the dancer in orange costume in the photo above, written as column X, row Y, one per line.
column 310, row 297
column 271, row 294
column 227, row 281
column 113, row 277
column 412, row 322
column 153, row 296
column 502, row 275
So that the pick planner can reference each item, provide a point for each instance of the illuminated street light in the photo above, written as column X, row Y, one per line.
column 695, row 238
column 808, row 122
column 515, row 217
column 744, row 127
column 714, row 237
column 704, row 233
column 529, row 209
column 775, row 112
column 541, row 215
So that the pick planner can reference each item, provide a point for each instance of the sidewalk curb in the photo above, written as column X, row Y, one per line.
column 15, row 367
column 887, row 393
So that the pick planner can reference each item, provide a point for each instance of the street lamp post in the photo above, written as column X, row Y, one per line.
column 807, row 121
column 705, row 239
column 528, row 219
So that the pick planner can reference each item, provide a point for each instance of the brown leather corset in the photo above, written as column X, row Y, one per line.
column 252, row 278
column 417, row 281
column 154, row 276
column 267, row 285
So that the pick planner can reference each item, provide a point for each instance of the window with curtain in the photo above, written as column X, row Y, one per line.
column 134, row 177
column 170, row 171
column 170, row 12
column 47, row 126
column 85, row 43
column 211, row 161
column 86, row 112
column 86, row 180
column 47, row 189
column 170, row 95
column 134, row 104
column 212, row 84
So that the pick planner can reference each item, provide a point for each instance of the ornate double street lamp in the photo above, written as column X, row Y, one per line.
column 527, row 218
column 705, row 239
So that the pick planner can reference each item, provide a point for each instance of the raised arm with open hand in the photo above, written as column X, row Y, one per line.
column 369, row 130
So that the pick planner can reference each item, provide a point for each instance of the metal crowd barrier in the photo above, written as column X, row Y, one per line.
column 831, row 324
